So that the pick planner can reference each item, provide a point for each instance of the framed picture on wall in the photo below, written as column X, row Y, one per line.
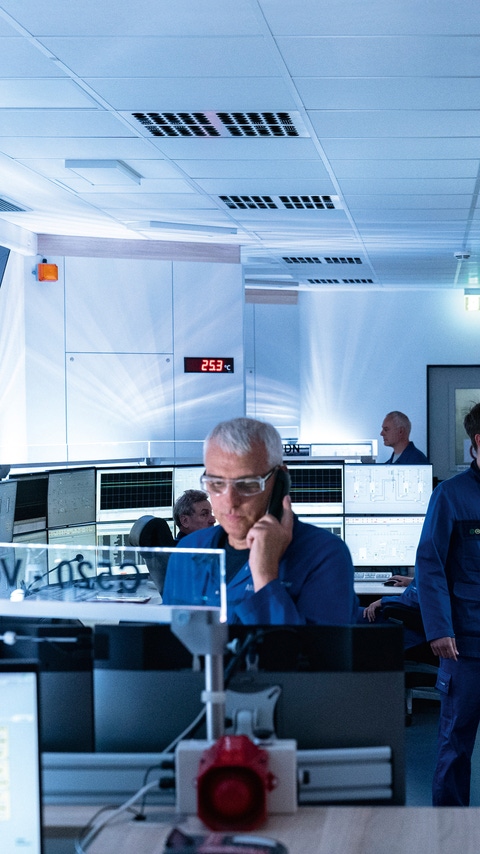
column 451, row 392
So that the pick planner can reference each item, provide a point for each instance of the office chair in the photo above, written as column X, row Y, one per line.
column 152, row 532
column 421, row 665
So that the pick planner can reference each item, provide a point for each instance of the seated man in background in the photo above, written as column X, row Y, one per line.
column 378, row 611
column 279, row 571
column 191, row 512
column 395, row 431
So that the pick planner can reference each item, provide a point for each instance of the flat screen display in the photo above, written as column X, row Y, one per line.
column 383, row 541
column 316, row 488
column 389, row 489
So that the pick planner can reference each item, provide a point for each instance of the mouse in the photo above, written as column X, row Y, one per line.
column 389, row 583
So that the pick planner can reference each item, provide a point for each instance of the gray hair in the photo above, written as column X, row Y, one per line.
column 184, row 505
column 401, row 420
column 240, row 435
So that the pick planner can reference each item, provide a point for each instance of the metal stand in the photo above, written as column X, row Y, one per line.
column 203, row 634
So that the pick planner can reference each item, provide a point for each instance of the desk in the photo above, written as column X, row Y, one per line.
column 312, row 830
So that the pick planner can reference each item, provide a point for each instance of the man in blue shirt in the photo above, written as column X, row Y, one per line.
column 278, row 571
column 395, row 431
column 191, row 512
column 447, row 571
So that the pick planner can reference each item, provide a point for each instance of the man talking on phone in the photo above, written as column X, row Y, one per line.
column 279, row 571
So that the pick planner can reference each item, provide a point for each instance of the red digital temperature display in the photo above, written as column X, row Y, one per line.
column 208, row 365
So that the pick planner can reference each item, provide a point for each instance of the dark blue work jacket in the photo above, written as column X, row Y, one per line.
column 447, row 566
column 314, row 584
column 411, row 456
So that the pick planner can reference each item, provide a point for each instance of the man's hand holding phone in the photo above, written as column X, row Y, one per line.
column 267, row 540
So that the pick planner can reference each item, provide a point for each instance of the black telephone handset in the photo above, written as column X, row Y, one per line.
column 281, row 487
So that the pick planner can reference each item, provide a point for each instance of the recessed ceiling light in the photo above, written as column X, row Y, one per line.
column 103, row 172
column 186, row 226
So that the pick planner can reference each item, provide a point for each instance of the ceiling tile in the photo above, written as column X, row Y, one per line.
column 387, row 17
column 375, row 56
column 90, row 17
column 42, row 94
column 172, row 57
column 194, row 93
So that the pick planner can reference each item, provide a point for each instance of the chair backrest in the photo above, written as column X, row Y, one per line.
column 152, row 532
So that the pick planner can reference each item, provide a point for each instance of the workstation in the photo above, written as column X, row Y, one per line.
column 244, row 208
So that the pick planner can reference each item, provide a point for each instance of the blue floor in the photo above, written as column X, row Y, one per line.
column 420, row 750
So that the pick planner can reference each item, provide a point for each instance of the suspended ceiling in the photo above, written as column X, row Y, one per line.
column 335, row 142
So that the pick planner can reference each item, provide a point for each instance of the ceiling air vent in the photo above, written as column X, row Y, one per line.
column 260, row 202
column 308, row 203
column 213, row 124
column 340, row 281
column 243, row 203
column 177, row 124
column 302, row 260
column 10, row 207
column 343, row 260
column 259, row 124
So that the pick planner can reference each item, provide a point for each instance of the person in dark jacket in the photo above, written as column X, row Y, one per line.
column 447, row 572
column 396, row 429
column 191, row 512
column 278, row 571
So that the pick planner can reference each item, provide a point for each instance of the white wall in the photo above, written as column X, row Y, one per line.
column 13, row 420
column 334, row 364
column 359, row 355
column 272, row 361
column 92, row 365
column 365, row 354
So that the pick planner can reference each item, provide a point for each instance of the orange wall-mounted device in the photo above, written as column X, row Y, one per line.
column 47, row 272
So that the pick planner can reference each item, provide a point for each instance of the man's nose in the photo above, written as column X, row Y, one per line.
column 233, row 495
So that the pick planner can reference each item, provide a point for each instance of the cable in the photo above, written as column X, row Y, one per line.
column 190, row 729
column 83, row 842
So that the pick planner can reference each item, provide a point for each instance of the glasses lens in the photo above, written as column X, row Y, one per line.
column 248, row 487
column 213, row 485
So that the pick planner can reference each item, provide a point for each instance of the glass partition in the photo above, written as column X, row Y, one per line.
column 102, row 584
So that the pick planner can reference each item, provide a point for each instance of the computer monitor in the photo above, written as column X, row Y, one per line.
column 20, row 775
column 186, row 477
column 316, row 488
column 30, row 504
column 125, row 494
column 334, row 524
column 64, row 652
column 148, row 674
column 71, row 497
column 383, row 541
column 8, row 494
column 389, row 489
column 339, row 672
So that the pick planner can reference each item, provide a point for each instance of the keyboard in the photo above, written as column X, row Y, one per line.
column 372, row 576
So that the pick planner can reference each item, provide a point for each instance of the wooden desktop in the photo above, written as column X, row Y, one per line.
column 312, row 830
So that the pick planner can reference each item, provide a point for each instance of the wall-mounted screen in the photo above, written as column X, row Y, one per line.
column 8, row 492
column 71, row 497
column 31, row 504
column 316, row 488
column 124, row 494
column 186, row 477
column 393, row 489
column 334, row 524
column 384, row 541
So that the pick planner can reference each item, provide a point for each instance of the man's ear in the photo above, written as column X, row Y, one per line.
column 185, row 520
